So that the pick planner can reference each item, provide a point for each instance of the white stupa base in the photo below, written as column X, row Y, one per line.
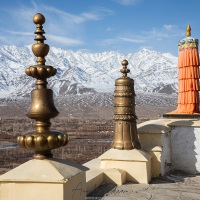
column 173, row 143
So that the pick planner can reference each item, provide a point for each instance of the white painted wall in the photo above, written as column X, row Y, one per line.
column 166, row 155
column 179, row 143
column 186, row 149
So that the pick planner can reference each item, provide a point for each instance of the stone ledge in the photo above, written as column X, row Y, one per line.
column 125, row 155
column 49, row 170
column 164, row 125
column 154, row 126
column 184, row 123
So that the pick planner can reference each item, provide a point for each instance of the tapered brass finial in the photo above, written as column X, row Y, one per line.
column 42, row 108
column 188, row 31
column 125, row 131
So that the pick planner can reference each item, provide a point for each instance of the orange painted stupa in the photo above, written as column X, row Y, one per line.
column 188, row 75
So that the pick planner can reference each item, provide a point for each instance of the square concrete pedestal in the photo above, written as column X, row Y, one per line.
column 52, row 179
column 136, row 163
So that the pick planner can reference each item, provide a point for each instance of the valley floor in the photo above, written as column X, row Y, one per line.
column 86, row 118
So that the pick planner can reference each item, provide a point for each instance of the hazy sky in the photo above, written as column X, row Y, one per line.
column 101, row 25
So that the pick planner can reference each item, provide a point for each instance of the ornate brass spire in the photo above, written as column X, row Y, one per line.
column 125, row 130
column 188, row 31
column 42, row 108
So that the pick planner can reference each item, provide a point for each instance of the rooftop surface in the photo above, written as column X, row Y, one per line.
column 176, row 186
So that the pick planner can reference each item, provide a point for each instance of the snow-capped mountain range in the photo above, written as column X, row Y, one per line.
column 81, row 72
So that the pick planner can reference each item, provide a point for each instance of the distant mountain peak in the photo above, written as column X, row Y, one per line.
column 80, row 72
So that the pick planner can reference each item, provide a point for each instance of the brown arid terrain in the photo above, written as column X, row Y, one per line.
column 86, row 118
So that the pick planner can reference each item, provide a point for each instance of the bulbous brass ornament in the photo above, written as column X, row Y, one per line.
column 39, row 19
column 42, row 109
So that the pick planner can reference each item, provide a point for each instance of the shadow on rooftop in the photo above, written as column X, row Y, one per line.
column 175, row 176
column 101, row 191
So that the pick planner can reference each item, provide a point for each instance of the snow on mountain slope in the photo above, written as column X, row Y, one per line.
column 80, row 72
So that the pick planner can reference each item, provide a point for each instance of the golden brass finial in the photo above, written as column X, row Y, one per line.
column 188, row 31
column 42, row 108
column 124, row 70
column 125, row 131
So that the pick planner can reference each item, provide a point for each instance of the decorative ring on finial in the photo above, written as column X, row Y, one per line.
column 40, row 50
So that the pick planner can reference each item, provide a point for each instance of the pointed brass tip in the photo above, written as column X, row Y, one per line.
column 40, row 50
column 188, row 31
column 39, row 18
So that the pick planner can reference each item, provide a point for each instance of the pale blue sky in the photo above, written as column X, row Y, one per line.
column 101, row 25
